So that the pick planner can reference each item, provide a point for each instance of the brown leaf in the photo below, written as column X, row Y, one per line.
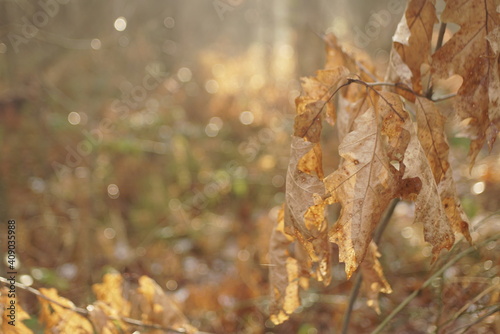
column 366, row 181
column 473, row 54
column 428, row 206
column 311, row 162
column 304, row 217
column 283, row 274
column 357, row 61
column 412, row 40
column 373, row 277
column 350, row 105
column 494, row 88
column 432, row 137
column 430, row 130
column 316, row 98
column 452, row 207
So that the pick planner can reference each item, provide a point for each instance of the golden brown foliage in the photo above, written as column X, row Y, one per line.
column 385, row 152
column 121, row 306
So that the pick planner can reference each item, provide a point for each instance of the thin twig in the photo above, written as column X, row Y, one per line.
column 428, row 89
column 359, row 277
column 352, row 300
column 415, row 293
column 462, row 311
column 85, row 313
column 478, row 320
column 442, row 30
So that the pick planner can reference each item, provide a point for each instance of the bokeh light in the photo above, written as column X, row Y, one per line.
column 120, row 24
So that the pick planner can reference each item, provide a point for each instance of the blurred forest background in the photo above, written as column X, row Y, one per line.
column 152, row 138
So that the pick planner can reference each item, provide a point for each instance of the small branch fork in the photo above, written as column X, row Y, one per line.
column 86, row 313
column 372, row 85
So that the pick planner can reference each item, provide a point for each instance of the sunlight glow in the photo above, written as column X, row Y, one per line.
column 169, row 22
column 120, row 24
column 246, row 117
column 113, row 191
column 478, row 188
column 26, row 280
column 184, row 74
column 109, row 233
column 95, row 44
column 212, row 86
column 74, row 118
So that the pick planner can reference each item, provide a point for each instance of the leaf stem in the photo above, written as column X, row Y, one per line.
column 359, row 277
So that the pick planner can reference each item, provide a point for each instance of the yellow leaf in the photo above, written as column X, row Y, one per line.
column 11, row 321
column 110, row 292
column 58, row 319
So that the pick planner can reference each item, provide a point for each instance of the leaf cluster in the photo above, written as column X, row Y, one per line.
column 393, row 145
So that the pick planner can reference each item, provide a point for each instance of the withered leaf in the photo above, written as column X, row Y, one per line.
column 429, row 209
column 430, row 130
column 304, row 217
column 432, row 137
column 58, row 319
column 111, row 293
column 366, row 181
column 315, row 100
column 283, row 274
column 452, row 207
column 5, row 316
column 469, row 53
column 355, row 60
column 412, row 40
column 373, row 277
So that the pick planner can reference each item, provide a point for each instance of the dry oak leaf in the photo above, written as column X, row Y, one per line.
column 58, row 319
column 357, row 61
column 316, row 101
column 304, row 217
column 366, row 181
column 472, row 53
column 351, row 104
column 286, row 275
column 429, row 209
column 432, row 137
column 14, row 324
column 373, row 277
column 452, row 207
column 412, row 40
